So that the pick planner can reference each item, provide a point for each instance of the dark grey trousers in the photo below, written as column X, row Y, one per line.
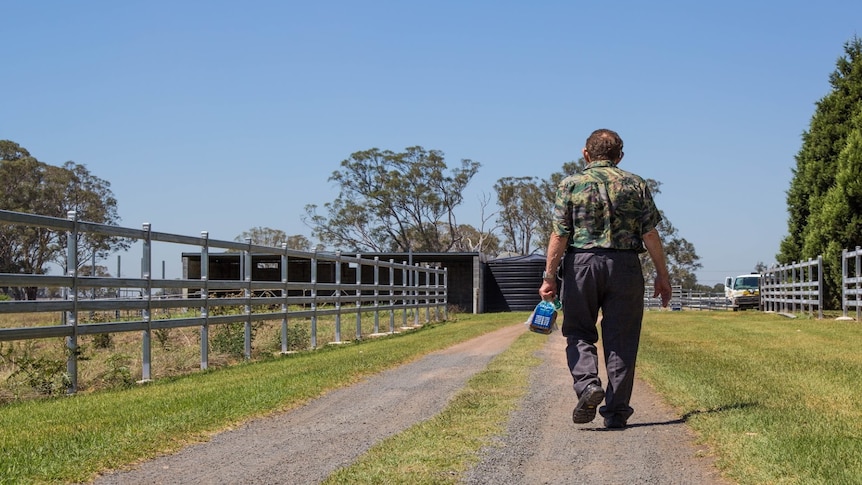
column 610, row 281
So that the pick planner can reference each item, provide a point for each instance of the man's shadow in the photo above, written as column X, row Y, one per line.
column 682, row 419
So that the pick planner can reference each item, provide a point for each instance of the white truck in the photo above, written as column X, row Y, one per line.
column 743, row 291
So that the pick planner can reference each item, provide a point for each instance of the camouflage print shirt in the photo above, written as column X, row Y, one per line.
column 604, row 207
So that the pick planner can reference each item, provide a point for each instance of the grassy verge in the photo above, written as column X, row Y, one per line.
column 72, row 438
column 437, row 451
column 778, row 399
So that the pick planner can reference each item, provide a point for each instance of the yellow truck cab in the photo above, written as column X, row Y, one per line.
column 743, row 291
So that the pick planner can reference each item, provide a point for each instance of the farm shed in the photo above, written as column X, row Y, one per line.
column 476, row 285
column 465, row 271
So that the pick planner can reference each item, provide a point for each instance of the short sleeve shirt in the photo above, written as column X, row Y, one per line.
column 604, row 207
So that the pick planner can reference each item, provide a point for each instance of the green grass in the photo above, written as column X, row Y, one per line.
column 72, row 438
column 778, row 399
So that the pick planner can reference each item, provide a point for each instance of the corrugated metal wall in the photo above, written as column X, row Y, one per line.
column 512, row 284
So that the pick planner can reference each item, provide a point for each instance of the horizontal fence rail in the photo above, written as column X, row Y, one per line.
column 792, row 288
column 351, row 286
column 687, row 298
column 851, row 281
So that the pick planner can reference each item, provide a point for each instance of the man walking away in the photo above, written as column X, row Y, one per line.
column 603, row 219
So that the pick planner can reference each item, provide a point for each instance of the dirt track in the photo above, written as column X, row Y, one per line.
column 541, row 446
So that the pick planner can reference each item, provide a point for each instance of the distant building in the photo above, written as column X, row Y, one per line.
column 476, row 285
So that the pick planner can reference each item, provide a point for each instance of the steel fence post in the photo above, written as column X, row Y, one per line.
column 146, row 270
column 284, row 301
column 72, row 313
column 205, row 300
column 248, row 294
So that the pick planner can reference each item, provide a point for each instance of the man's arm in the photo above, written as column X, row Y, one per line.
column 556, row 249
column 652, row 241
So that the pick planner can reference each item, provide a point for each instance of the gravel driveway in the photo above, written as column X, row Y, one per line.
column 541, row 446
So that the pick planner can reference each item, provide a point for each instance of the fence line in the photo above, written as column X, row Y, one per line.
column 420, row 287
column 793, row 287
column 687, row 298
column 789, row 288
column 851, row 282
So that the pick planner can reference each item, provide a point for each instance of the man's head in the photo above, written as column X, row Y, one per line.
column 604, row 144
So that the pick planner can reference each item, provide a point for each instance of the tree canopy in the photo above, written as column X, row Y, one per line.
column 825, row 195
column 31, row 186
column 523, row 210
column 266, row 236
column 391, row 201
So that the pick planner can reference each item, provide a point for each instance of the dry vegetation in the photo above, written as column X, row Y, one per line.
column 37, row 368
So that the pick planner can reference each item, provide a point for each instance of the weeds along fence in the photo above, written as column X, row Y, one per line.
column 793, row 288
column 352, row 286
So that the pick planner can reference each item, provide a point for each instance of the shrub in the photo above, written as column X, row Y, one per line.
column 119, row 373
column 103, row 341
column 298, row 338
column 230, row 339
column 44, row 375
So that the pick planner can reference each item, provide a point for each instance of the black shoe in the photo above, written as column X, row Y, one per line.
column 615, row 422
column 585, row 411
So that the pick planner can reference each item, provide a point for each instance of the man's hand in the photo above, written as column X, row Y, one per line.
column 652, row 241
column 662, row 288
column 548, row 290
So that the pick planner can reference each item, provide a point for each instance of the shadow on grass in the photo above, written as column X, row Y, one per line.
column 685, row 417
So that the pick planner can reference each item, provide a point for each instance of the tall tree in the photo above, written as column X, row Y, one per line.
column 266, row 236
column 92, row 200
column 298, row 242
column 523, row 210
column 263, row 236
column 473, row 239
column 810, row 231
column 392, row 201
column 30, row 186
column 837, row 223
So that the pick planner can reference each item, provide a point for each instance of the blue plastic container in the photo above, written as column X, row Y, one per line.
column 545, row 316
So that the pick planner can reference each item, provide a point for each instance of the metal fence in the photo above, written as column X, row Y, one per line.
column 682, row 298
column 793, row 288
column 408, row 290
column 851, row 281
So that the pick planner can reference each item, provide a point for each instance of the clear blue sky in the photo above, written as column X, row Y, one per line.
column 225, row 115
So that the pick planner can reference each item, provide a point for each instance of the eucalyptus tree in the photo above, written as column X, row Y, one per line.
column 30, row 186
column 267, row 236
column 263, row 236
column 393, row 201
column 523, row 209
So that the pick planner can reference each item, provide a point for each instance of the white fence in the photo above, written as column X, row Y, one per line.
column 793, row 288
column 407, row 289
column 680, row 299
column 851, row 281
